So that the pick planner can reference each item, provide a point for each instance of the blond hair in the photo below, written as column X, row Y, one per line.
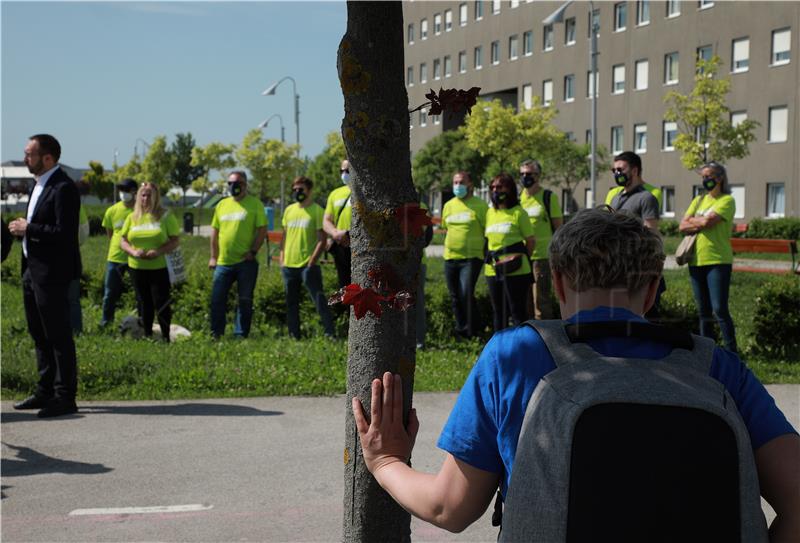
column 155, row 208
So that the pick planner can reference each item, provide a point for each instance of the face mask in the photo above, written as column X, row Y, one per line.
column 498, row 198
column 125, row 197
column 298, row 195
column 345, row 177
column 527, row 180
column 620, row 178
column 460, row 191
column 709, row 183
column 235, row 188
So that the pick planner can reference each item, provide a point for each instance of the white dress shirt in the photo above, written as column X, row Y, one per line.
column 41, row 181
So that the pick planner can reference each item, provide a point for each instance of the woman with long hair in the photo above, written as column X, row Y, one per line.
column 148, row 234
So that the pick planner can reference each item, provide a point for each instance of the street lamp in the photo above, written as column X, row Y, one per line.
column 270, row 91
column 145, row 147
column 556, row 17
column 263, row 124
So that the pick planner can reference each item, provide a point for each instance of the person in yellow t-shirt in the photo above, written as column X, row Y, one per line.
column 544, row 211
column 710, row 216
column 336, row 223
column 510, row 238
column 464, row 219
column 301, row 248
column 238, row 229
column 148, row 234
column 117, row 259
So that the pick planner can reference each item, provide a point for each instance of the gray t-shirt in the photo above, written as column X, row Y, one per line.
column 639, row 202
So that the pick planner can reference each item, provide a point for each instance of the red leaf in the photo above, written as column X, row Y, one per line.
column 402, row 300
column 362, row 300
column 385, row 278
column 412, row 219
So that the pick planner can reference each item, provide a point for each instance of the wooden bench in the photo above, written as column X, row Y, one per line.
column 782, row 246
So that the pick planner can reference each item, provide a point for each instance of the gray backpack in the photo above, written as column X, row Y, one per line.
column 617, row 449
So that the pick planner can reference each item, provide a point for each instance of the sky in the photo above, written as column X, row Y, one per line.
column 101, row 75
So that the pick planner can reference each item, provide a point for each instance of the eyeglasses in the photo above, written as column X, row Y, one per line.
column 344, row 170
column 616, row 170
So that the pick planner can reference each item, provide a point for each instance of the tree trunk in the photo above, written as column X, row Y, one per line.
column 376, row 137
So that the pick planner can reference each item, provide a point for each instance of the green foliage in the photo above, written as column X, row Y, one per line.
column 441, row 157
column 566, row 163
column 705, row 131
column 100, row 184
column 183, row 173
column 131, row 170
column 157, row 164
column 776, row 320
column 324, row 169
column 268, row 161
column 213, row 157
column 669, row 228
column 785, row 228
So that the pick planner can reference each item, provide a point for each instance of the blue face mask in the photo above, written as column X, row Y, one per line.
column 460, row 191
column 345, row 177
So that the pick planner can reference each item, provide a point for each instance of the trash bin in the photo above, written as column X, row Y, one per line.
column 269, row 211
column 188, row 222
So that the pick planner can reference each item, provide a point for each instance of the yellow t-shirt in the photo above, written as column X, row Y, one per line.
column 465, row 221
column 505, row 227
column 713, row 245
column 114, row 219
column 655, row 191
column 149, row 233
column 237, row 223
column 300, row 227
column 340, row 207
column 534, row 207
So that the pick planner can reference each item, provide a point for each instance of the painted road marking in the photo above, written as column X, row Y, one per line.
column 142, row 510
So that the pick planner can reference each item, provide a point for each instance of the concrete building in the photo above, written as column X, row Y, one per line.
column 646, row 49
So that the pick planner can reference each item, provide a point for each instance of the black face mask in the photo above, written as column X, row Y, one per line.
column 498, row 198
column 620, row 178
column 709, row 183
column 298, row 195
column 235, row 188
column 527, row 180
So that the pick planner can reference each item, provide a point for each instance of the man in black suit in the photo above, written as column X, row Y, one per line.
column 50, row 260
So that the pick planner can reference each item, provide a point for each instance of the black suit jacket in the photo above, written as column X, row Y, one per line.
column 52, row 234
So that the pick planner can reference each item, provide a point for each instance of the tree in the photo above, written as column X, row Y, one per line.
column 157, row 164
column 213, row 157
column 324, row 169
column 131, row 169
column 567, row 163
column 183, row 173
column 386, row 243
column 705, row 130
column 506, row 138
column 442, row 156
column 100, row 183
column 269, row 161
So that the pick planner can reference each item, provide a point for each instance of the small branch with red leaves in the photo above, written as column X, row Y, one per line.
column 387, row 291
column 450, row 101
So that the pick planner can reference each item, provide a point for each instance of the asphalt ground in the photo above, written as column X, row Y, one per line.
column 256, row 469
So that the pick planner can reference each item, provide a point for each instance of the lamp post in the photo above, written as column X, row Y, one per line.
column 556, row 17
column 145, row 147
column 270, row 91
column 261, row 126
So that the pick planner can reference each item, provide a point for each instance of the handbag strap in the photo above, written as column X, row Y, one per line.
column 517, row 247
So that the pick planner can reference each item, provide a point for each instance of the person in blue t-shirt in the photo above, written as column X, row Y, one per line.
column 605, row 266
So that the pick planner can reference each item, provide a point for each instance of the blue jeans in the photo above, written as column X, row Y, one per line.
column 112, row 290
column 245, row 274
column 74, row 299
column 311, row 277
column 711, row 285
column 461, row 275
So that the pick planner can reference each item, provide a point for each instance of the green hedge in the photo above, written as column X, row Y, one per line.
column 786, row 228
column 776, row 319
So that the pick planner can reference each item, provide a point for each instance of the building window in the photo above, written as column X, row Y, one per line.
column 462, row 62
column 423, row 29
column 569, row 88
column 478, row 58
column 437, row 69
column 776, row 200
column 462, row 14
column 495, row 52
column 778, row 124
column 642, row 69
column 448, row 20
column 423, row 72
column 527, row 96
column 670, row 133
column 410, row 76
column 436, row 119
column 740, row 55
column 738, row 117
column 437, row 23
column 705, row 4
column 588, row 136
column 673, row 8
column 590, row 83
column 411, row 33
column 448, row 66
column 547, row 41
column 781, row 46
column 547, row 92
column 570, row 136
column 478, row 10
column 617, row 144
column 594, row 21
column 495, row 7
column 569, row 31
column 620, row 16
column 642, row 12
column 737, row 191
column 640, row 138
column 618, row 79
column 513, row 49
column 704, row 53
column 514, row 4
column 667, row 201
column 527, row 43
column 423, row 117
column 671, row 68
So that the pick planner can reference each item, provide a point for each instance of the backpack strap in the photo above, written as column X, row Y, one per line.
column 547, row 198
column 558, row 343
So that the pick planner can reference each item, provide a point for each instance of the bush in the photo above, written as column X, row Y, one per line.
column 786, row 228
column 669, row 228
column 776, row 319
